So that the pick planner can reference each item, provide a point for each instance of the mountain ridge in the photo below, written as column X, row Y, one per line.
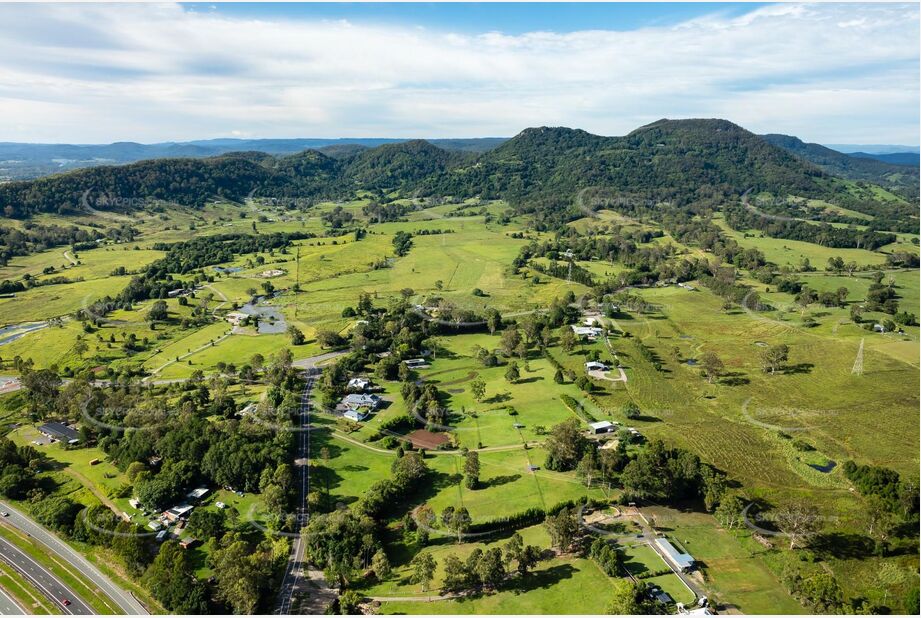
column 683, row 161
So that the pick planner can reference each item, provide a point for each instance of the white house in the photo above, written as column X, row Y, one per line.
column 595, row 366
column 416, row 363
column 356, row 415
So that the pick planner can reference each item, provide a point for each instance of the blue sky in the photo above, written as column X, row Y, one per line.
column 507, row 17
column 829, row 73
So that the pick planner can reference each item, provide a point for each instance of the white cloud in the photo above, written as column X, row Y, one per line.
column 834, row 73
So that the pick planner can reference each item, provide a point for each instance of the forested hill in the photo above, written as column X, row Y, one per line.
column 667, row 160
column 898, row 178
column 679, row 161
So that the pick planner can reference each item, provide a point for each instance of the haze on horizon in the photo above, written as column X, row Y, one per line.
column 827, row 73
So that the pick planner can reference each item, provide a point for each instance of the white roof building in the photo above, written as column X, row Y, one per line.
column 358, row 384
column 587, row 331
column 595, row 366
column 357, row 415
column 354, row 401
column 675, row 558
column 602, row 427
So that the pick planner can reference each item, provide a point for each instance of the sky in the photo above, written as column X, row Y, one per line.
column 96, row 73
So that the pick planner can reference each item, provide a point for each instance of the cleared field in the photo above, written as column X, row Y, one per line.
column 57, row 300
column 735, row 572
column 783, row 251
column 561, row 585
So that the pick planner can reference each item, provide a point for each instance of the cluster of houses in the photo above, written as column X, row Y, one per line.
column 358, row 404
column 176, row 515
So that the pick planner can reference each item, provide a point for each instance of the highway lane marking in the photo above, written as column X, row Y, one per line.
column 35, row 579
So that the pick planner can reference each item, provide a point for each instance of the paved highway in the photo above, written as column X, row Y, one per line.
column 300, row 581
column 122, row 598
column 43, row 579
column 9, row 607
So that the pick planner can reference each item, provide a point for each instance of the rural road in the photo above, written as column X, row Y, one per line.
column 300, row 581
column 43, row 579
column 122, row 598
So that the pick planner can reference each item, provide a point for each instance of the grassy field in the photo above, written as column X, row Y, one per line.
column 561, row 585
column 732, row 570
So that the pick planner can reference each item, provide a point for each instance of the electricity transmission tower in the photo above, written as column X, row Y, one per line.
column 858, row 362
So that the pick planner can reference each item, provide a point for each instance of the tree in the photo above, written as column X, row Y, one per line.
column 41, row 390
column 402, row 243
column 423, row 569
column 207, row 524
column 329, row 339
column 588, row 467
column 349, row 602
column 729, row 511
column 558, row 377
column 457, row 520
column 171, row 580
column 711, row 365
column 799, row 522
column 133, row 469
column 491, row 568
column 493, row 321
column 565, row 446
column 455, row 574
column 297, row 337
column 512, row 374
column 567, row 339
column 478, row 389
column 806, row 297
column 158, row 312
column 381, row 564
column 563, row 529
column 631, row 410
column 624, row 601
column 773, row 357
column 509, row 340
column 80, row 347
column 472, row 469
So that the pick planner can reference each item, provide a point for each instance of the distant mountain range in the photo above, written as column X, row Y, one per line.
column 22, row 161
column 897, row 158
column 900, row 177
column 696, row 163
column 875, row 149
